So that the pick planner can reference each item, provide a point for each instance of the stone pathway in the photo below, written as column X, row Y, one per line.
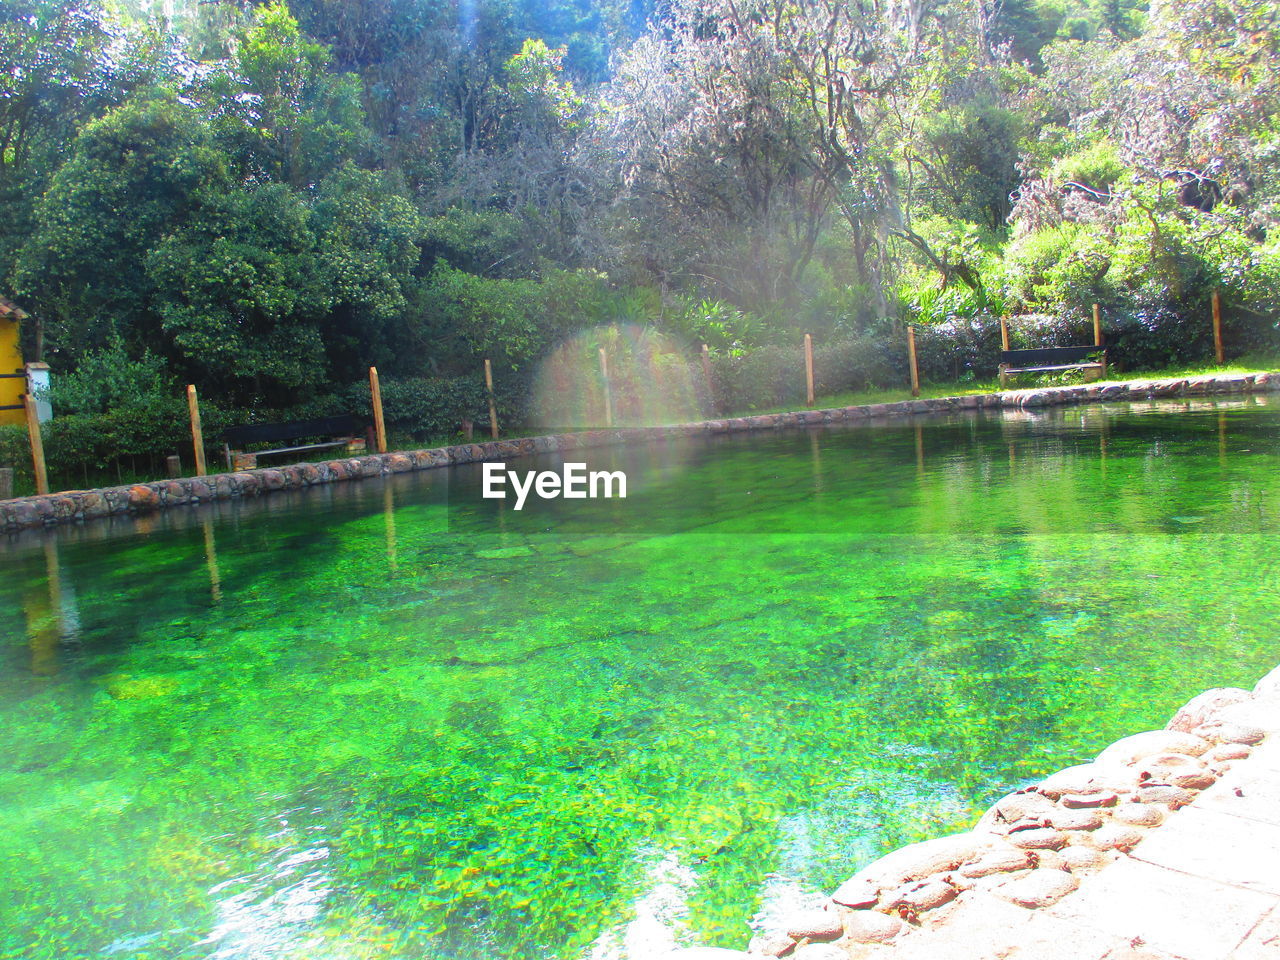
column 1167, row 847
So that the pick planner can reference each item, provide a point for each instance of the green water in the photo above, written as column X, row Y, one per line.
column 392, row 720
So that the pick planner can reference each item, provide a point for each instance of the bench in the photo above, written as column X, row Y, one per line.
column 349, row 432
column 1048, row 359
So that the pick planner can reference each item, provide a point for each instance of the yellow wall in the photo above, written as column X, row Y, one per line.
column 11, row 390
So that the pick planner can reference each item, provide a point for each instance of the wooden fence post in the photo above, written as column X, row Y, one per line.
column 1097, row 326
column 1004, row 335
column 493, row 410
column 6, row 483
column 706, row 375
column 197, row 432
column 808, row 370
column 37, row 445
column 608, row 396
column 911, row 355
column 379, row 425
column 1217, row 327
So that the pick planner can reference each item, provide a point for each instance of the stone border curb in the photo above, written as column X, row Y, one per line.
column 75, row 506
column 1032, row 847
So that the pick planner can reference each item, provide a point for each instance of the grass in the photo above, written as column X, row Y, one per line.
column 1254, row 363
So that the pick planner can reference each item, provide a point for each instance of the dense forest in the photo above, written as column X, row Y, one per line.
column 265, row 199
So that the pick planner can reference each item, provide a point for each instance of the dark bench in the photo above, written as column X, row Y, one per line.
column 1047, row 359
column 349, row 432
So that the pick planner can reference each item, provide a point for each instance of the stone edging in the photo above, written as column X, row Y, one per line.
column 80, row 505
column 1031, row 847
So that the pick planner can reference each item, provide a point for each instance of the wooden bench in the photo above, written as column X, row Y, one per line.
column 1048, row 359
column 349, row 432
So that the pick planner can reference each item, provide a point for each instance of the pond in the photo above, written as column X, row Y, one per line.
column 392, row 719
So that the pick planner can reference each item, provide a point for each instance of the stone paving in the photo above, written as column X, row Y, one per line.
column 1197, row 877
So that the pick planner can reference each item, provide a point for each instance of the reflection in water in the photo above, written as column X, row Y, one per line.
column 603, row 727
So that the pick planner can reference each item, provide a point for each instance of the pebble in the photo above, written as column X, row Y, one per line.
column 870, row 926
column 1087, row 801
column 819, row 951
column 1143, row 745
column 925, row 895
column 1201, row 708
column 1139, row 814
column 1039, row 888
column 1068, row 819
column 997, row 861
column 919, row 860
column 815, row 925
column 1192, row 779
column 1116, row 836
column 1082, row 858
column 1041, row 839
column 856, row 893
column 771, row 945
column 1233, row 733
column 1228, row 751
column 1164, row 793
column 1088, row 778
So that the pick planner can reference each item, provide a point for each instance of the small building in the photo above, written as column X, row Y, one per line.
column 13, row 375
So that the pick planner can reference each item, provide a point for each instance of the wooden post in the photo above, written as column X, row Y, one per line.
column 608, row 396
column 173, row 466
column 808, row 369
column 1004, row 345
column 706, row 374
column 37, row 445
column 379, row 425
column 197, row 433
column 911, row 355
column 493, row 410
column 1217, row 327
column 6, row 483
column 1097, row 326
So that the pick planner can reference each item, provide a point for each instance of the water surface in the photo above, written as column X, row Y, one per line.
column 386, row 719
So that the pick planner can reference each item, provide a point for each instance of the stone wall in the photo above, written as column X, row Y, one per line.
column 1034, row 847
column 81, row 505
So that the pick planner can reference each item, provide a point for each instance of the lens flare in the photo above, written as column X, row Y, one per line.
column 644, row 379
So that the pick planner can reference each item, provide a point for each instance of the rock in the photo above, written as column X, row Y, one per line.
column 1000, row 860
column 869, row 926
column 1200, row 708
column 1089, row 778
column 1042, row 838
column 1142, row 745
column 1082, row 858
column 143, row 497
column 1069, row 819
column 1087, row 801
column 1228, row 751
column 1220, row 732
column 919, row 860
column 1269, row 686
column 1164, row 793
column 1015, row 807
column 771, row 945
column 1139, row 814
column 1116, row 836
column 856, row 894
column 923, row 895
column 1191, row 779
column 815, row 925
column 1039, row 888
column 820, row 951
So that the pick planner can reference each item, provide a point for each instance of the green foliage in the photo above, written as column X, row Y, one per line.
column 109, row 378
